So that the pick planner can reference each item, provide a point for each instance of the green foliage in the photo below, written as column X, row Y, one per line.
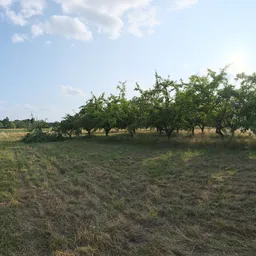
column 22, row 124
column 107, row 110
column 37, row 133
column 37, row 125
column 69, row 125
column 6, row 123
column 247, row 93
column 164, row 109
column 196, row 101
column 127, row 111
column 89, row 115
column 203, row 101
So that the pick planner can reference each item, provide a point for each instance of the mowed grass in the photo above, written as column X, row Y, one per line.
column 120, row 196
column 12, row 131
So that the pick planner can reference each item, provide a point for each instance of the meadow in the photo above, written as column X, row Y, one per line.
column 118, row 195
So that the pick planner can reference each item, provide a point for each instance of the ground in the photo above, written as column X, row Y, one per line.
column 127, row 196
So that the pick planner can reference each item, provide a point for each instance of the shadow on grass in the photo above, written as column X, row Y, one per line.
column 179, row 141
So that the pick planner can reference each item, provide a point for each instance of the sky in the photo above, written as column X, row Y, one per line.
column 54, row 53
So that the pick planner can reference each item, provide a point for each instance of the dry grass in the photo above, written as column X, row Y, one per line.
column 10, row 135
column 122, row 196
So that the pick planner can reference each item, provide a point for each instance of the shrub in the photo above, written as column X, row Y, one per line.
column 38, row 135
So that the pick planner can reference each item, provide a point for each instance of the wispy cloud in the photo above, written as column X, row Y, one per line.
column 142, row 21
column 16, row 19
column 70, row 91
column 62, row 25
column 35, row 108
column 3, row 109
column 19, row 38
column 21, row 13
column 183, row 4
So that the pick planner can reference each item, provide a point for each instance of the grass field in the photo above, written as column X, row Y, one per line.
column 122, row 196
column 11, row 130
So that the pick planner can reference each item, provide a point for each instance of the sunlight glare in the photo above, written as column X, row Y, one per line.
column 238, row 63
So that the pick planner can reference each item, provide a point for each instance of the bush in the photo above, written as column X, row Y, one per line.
column 38, row 135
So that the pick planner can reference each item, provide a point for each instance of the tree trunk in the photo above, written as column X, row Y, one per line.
column 130, row 130
column 169, row 132
column 107, row 131
column 177, row 130
column 89, row 133
column 78, row 132
column 131, row 133
column 233, row 132
column 159, row 129
column 219, row 132
column 193, row 131
column 218, row 128
column 202, row 129
column 134, row 131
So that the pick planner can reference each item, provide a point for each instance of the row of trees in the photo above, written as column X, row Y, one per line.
column 18, row 124
column 203, row 101
column 6, row 123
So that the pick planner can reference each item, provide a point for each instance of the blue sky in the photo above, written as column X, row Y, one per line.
column 54, row 53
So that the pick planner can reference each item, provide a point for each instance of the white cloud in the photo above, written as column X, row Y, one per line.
column 19, row 38
column 37, row 30
column 31, row 8
column 30, row 107
column 25, row 10
column 183, row 4
column 141, row 19
column 17, row 19
column 106, row 15
column 3, row 101
column 48, row 42
column 5, row 3
column 70, row 91
column 64, row 26
column 109, row 7
column 105, row 22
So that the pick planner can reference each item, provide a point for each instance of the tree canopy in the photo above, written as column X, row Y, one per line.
column 203, row 101
column 209, row 100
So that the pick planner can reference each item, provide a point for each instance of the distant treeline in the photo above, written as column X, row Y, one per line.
column 23, row 124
